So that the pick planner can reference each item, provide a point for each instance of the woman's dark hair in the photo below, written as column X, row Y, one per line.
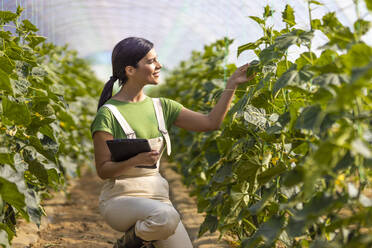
column 127, row 52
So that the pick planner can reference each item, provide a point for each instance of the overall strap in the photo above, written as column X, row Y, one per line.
column 161, row 122
column 123, row 123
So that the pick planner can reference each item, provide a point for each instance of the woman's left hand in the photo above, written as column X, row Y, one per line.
column 240, row 76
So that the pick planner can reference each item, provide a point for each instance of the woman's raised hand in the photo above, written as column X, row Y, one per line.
column 240, row 76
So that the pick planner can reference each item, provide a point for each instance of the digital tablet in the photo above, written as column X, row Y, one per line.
column 123, row 149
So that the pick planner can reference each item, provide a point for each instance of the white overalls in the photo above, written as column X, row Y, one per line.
column 141, row 196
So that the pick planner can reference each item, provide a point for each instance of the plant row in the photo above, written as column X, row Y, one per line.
column 291, row 165
column 48, row 97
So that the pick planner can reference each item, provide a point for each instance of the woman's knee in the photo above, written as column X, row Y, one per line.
column 162, row 223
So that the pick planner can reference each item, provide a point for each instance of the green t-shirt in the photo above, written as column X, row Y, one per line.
column 139, row 115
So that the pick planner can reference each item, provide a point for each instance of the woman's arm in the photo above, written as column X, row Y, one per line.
column 194, row 121
column 108, row 169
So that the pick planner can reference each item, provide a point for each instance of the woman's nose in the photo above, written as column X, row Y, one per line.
column 159, row 65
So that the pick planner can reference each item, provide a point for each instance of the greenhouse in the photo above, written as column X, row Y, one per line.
column 186, row 123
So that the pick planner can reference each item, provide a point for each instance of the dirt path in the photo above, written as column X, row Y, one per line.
column 74, row 221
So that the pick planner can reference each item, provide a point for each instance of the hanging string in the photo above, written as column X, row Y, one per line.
column 32, row 11
column 226, row 39
column 42, row 27
column 53, row 28
column 225, row 60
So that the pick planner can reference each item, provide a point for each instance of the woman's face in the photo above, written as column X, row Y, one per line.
column 148, row 70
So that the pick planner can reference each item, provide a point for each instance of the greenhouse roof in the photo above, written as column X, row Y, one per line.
column 176, row 27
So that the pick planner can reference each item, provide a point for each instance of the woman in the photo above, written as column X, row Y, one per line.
column 135, row 199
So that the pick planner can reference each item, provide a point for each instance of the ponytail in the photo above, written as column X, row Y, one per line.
column 107, row 91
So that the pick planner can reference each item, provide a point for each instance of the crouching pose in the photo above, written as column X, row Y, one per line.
column 135, row 197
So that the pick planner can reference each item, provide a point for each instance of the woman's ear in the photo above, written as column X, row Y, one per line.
column 129, row 70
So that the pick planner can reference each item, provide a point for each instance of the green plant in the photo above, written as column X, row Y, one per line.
column 291, row 165
column 47, row 104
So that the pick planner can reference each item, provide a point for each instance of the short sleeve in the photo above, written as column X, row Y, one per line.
column 171, row 110
column 102, row 121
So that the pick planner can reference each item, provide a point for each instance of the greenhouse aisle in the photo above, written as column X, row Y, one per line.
column 74, row 221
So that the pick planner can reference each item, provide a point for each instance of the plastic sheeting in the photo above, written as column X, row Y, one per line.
column 176, row 27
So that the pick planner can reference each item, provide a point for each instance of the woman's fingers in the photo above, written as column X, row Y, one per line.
column 244, row 67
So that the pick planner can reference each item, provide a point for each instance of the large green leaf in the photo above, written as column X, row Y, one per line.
column 288, row 16
column 290, row 77
column 224, row 172
column 258, row 206
column 210, row 224
column 7, row 158
column 270, row 173
column 295, row 37
column 5, row 82
column 7, row 16
column 28, row 26
column 16, row 111
column 309, row 118
column 267, row 232
column 9, row 188
column 35, row 40
column 249, row 46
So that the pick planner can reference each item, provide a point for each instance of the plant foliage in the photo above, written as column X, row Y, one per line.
column 291, row 165
column 47, row 102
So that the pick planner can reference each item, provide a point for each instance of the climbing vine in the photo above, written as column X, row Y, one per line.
column 48, row 97
column 291, row 165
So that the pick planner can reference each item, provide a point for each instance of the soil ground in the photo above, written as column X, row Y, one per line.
column 74, row 220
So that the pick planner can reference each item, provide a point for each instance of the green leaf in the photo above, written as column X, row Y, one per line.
column 295, row 37
column 270, row 54
column 247, row 170
column 7, row 158
column 270, row 173
column 364, row 72
column 316, row 24
column 6, row 35
column 48, row 131
column 258, row 20
column 212, row 154
column 36, row 168
column 28, row 26
column 290, row 77
column 7, row 16
column 258, row 206
column 14, row 53
column 330, row 79
column 16, row 111
column 267, row 232
column 315, row 2
column 294, row 177
column 305, row 58
column 248, row 46
column 268, row 11
column 9, row 190
column 362, row 26
column 288, row 16
column 308, row 117
column 255, row 116
column 210, row 224
column 49, row 151
column 6, row 64
column 35, row 40
column 222, row 173
column 5, row 82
